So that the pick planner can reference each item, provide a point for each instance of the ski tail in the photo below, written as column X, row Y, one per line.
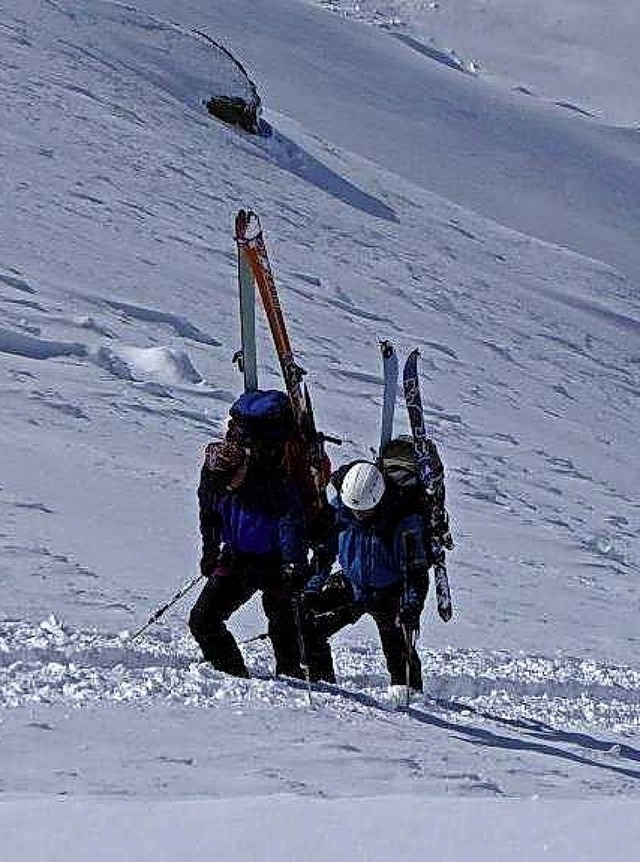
column 429, row 464
column 443, row 591
column 246, row 357
column 251, row 239
column 309, row 461
column 431, row 476
column 390, row 375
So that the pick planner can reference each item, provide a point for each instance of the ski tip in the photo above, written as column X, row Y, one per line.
column 238, row 360
column 386, row 348
column 247, row 225
column 253, row 227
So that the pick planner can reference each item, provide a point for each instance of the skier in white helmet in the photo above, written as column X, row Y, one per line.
column 362, row 488
column 384, row 564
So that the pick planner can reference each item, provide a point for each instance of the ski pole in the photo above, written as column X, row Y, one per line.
column 408, row 545
column 302, row 647
column 407, row 665
column 329, row 438
column 261, row 637
column 327, row 615
column 162, row 610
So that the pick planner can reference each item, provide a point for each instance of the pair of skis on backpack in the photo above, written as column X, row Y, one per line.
column 311, row 464
column 254, row 269
column 429, row 469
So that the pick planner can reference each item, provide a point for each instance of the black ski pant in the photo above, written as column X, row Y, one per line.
column 397, row 643
column 223, row 594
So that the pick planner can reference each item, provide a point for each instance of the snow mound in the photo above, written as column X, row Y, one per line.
column 187, row 64
column 148, row 365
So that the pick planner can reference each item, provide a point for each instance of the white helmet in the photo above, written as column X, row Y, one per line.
column 362, row 487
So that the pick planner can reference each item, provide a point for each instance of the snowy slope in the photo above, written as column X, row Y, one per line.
column 400, row 198
column 529, row 163
column 580, row 54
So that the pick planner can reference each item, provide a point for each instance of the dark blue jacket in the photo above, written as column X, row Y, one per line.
column 371, row 552
column 264, row 516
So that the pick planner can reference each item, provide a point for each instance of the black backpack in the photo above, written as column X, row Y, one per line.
column 398, row 465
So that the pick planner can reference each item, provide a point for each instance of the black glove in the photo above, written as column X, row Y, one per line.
column 323, row 557
column 293, row 576
column 208, row 561
column 313, row 591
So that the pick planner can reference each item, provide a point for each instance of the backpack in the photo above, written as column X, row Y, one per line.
column 398, row 465
column 263, row 416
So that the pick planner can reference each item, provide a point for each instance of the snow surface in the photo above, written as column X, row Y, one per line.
column 580, row 54
column 455, row 202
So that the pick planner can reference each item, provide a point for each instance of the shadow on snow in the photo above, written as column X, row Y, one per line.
column 489, row 738
column 289, row 156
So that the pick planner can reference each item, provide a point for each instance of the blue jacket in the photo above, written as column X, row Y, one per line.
column 265, row 516
column 371, row 552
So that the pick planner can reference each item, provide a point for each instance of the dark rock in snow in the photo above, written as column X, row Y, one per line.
column 235, row 99
column 235, row 111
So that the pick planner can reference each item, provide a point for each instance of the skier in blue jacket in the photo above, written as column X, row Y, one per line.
column 384, row 563
column 253, row 538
